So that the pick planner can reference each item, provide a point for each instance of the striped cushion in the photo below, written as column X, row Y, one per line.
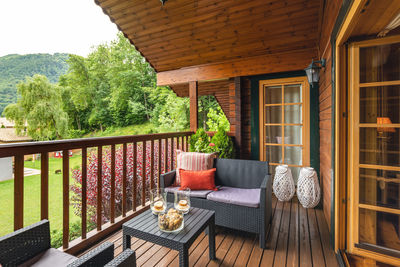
column 192, row 161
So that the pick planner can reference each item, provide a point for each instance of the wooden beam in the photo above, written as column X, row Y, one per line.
column 238, row 114
column 289, row 61
column 193, row 95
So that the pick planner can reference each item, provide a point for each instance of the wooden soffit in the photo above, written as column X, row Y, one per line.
column 186, row 33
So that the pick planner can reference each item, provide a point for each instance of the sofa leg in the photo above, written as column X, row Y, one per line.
column 262, row 241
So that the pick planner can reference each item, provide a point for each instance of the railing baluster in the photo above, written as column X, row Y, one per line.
column 18, row 192
column 112, row 199
column 124, row 172
column 166, row 155
column 84, row 192
column 172, row 153
column 178, row 143
column 134, row 193
column 187, row 143
column 44, row 185
column 65, row 198
column 152, row 164
column 144, row 174
column 99, row 186
column 159, row 163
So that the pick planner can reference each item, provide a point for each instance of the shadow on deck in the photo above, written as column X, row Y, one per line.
column 297, row 237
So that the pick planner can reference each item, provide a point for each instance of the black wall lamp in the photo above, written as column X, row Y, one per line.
column 312, row 71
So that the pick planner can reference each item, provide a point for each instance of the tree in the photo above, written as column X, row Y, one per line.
column 170, row 113
column 40, row 106
column 217, row 120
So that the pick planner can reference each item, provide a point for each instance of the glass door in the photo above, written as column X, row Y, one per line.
column 284, row 123
column 374, row 147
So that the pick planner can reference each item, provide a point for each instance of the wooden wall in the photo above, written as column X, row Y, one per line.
column 330, row 12
column 245, row 149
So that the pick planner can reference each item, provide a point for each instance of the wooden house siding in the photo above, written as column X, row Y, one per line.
column 330, row 13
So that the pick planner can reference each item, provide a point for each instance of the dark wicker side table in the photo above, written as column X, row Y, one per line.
column 145, row 226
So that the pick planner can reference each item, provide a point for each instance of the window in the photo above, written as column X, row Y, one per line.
column 284, row 123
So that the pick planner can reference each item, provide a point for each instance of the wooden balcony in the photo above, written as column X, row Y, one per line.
column 297, row 237
column 157, row 155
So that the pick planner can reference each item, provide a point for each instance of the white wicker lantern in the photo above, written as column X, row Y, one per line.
column 308, row 189
column 283, row 185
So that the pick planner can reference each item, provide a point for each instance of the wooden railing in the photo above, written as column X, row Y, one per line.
column 161, row 149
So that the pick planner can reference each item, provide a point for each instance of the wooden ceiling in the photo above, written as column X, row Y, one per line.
column 185, row 33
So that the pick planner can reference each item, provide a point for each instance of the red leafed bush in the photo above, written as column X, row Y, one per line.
column 92, row 167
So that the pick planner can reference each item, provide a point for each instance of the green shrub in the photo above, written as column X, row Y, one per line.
column 74, row 233
column 199, row 142
column 222, row 144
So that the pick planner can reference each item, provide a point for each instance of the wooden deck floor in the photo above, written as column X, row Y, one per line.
column 297, row 237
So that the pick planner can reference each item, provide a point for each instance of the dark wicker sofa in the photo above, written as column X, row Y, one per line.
column 244, row 177
column 31, row 246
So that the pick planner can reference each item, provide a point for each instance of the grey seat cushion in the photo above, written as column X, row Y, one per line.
column 50, row 258
column 193, row 193
column 237, row 196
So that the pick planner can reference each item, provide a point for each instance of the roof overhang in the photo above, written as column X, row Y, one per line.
column 201, row 40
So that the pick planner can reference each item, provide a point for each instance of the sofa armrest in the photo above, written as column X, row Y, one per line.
column 266, row 190
column 167, row 179
column 24, row 244
column 127, row 258
column 96, row 257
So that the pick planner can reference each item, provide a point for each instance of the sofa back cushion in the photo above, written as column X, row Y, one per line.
column 192, row 161
column 240, row 173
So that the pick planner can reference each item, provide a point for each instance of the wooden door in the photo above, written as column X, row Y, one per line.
column 284, row 123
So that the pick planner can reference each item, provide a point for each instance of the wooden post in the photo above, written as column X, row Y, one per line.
column 134, row 189
column 193, row 105
column 238, row 115
column 84, row 192
column 144, row 148
column 99, row 186
column 18, row 192
column 44, row 186
column 124, row 177
column 65, row 198
column 112, row 198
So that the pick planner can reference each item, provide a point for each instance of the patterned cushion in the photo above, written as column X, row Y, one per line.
column 192, row 161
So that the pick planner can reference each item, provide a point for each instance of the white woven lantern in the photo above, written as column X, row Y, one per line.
column 308, row 190
column 283, row 185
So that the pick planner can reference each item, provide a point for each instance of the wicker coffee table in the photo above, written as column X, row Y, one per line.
column 145, row 226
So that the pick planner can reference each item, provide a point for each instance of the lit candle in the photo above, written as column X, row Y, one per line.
column 183, row 203
column 159, row 205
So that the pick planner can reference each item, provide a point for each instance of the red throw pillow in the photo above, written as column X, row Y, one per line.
column 198, row 180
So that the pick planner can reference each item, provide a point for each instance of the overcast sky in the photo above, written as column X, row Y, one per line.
column 50, row 26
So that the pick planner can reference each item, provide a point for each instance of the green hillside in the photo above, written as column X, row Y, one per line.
column 14, row 68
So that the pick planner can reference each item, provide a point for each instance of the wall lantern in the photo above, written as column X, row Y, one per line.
column 312, row 71
column 163, row 1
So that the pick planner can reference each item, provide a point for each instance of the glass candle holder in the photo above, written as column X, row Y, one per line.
column 171, row 221
column 158, row 200
column 182, row 200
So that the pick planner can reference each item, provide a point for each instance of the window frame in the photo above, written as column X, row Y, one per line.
column 354, row 164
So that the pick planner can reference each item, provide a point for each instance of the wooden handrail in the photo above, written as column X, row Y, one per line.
column 14, row 149
column 129, row 144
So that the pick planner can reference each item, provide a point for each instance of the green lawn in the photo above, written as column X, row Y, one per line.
column 32, row 197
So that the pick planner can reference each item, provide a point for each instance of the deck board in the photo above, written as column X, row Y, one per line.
column 296, row 237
